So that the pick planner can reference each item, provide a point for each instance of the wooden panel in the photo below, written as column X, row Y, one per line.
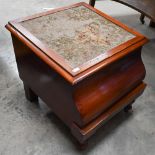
column 98, row 92
column 54, row 90
column 82, row 134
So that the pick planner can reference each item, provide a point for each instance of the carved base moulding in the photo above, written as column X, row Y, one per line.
column 85, row 65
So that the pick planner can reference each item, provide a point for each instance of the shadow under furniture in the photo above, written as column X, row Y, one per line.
column 145, row 7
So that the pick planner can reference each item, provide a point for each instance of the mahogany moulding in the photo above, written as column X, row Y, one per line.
column 85, row 65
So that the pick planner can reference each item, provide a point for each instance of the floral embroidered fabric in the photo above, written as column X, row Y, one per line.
column 78, row 34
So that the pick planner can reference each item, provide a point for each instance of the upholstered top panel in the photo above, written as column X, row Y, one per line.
column 78, row 34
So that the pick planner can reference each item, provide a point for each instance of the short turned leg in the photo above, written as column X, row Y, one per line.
column 152, row 24
column 29, row 94
column 128, row 108
column 142, row 18
column 92, row 2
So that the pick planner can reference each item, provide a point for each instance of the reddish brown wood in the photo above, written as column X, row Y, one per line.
column 87, row 100
column 113, row 82
column 50, row 86
column 85, row 70
column 41, row 55
column 61, row 71
column 82, row 134
column 55, row 57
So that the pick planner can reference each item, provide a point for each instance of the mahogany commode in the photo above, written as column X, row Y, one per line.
column 85, row 65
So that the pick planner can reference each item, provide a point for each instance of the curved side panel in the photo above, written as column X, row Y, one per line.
column 82, row 134
column 54, row 90
column 97, row 93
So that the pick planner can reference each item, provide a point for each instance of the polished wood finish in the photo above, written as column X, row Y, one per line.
column 82, row 134
column 87, row 100
column 145, row 7
column 87, row 69
column 102, row 82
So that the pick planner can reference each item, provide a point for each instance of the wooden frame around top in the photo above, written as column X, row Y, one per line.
column 58, row 63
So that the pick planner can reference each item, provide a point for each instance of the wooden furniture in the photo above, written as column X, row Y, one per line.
column 85, row 65
column 145, row 7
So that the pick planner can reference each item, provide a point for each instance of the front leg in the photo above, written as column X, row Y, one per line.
column 29, row 94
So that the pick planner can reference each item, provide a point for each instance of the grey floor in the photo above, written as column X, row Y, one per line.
column 28, row 129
